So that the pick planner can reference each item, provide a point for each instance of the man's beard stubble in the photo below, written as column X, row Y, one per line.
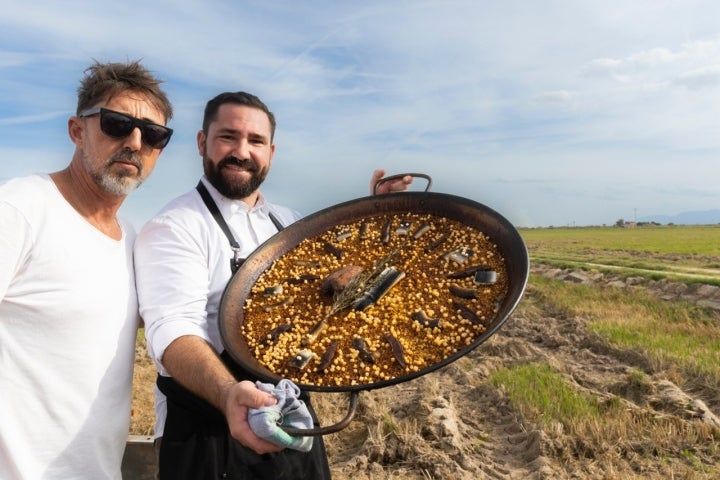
column 117, row 183
column 235, row 189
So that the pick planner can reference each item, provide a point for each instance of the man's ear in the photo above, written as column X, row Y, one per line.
column 201, row 142
column 76, row 130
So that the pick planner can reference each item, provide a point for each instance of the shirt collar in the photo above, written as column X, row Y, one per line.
column 229, row 207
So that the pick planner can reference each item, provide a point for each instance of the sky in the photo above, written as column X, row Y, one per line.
column 550, row 112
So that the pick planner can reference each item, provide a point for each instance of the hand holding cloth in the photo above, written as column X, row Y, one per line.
column 289, row 411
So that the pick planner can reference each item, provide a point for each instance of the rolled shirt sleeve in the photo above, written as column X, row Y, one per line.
column 182, row 265
column 173, row 283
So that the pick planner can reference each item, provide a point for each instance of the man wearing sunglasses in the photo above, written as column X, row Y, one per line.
column 68, row 307
column 183, row 262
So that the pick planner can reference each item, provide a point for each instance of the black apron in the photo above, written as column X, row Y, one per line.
column 197, row 445
column 196, row 442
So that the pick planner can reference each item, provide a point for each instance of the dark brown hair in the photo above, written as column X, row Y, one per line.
column 103, row 81
column 239, row 98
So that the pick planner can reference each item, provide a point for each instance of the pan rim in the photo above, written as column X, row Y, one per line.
column 504, row 235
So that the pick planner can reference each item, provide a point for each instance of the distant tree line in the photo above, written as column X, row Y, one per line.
column 621, row 223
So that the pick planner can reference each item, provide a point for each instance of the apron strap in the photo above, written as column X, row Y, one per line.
column 236, row 261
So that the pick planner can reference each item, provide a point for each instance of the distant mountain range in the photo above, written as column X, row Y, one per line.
column 705, row 217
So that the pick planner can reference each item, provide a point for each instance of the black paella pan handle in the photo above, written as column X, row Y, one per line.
column 401, row 175
column 311, row 432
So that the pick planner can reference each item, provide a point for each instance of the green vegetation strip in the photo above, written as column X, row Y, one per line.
column 540, row 392
column 607, row 429
column 678, row 250
column 668, row 333
column 687, row 239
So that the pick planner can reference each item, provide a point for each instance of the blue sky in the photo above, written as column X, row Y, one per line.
column 570, row 112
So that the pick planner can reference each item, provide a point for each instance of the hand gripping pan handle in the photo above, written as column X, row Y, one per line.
column 401, row 175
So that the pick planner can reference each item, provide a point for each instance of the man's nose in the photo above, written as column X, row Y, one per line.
column 134, row 140
column 243, row 148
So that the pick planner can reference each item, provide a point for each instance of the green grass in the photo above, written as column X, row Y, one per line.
column 669, row 333
column 684, row 240
column 677, row 341
column 688, row 253
column 541, row 392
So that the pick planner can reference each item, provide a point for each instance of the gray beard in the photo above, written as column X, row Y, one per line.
column 114, row 183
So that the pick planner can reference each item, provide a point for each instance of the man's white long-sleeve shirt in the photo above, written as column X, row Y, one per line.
column 182, row 266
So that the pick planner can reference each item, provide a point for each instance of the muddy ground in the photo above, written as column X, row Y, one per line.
column 454, row 424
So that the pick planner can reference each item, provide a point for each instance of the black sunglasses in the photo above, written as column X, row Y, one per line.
column 119, row 125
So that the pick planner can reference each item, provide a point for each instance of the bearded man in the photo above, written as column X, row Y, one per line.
column 184, row 258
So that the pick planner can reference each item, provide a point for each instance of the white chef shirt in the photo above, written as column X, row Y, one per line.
column 182, row 265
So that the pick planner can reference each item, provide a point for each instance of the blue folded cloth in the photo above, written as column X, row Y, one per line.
column 289, row 411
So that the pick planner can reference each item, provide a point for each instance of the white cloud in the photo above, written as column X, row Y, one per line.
column 654, row 57
column 556, row 97
column 13, row 59
column 25, row 119
column 703, row 77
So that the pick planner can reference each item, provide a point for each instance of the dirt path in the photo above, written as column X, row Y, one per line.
column 454, row 424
